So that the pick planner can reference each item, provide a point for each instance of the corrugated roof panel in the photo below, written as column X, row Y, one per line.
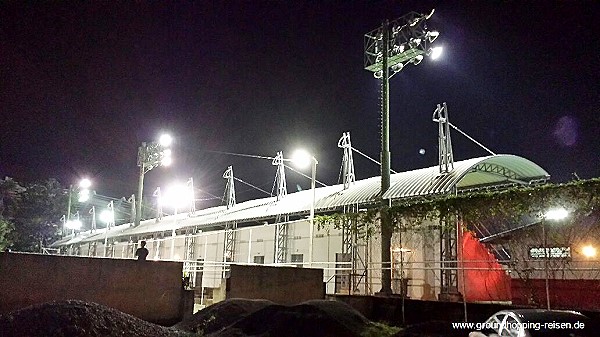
column 466, row 173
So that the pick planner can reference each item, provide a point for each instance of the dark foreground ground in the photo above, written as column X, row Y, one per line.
column 231, row 318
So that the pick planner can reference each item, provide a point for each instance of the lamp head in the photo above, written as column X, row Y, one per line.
column 556, row 214
column 301, row 159
column 165, row 140
column 436, row 52
column 589, row 251
column 85, row 183
column 166, row 158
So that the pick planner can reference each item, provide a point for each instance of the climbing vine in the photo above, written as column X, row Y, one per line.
column 579, row 197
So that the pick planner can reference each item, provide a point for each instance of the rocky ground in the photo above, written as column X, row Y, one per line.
column 231, row 318
column 78, row 319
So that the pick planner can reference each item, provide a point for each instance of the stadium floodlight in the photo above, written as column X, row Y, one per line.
column 85, row 183
column 436, row 52
column 432, row 35
column 178, row 195
column 301, row 158
column 390, row 47
column 151, row 155
column 165, row 140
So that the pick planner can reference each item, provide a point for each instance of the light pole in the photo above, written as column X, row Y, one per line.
column 555, row 214
column 390, row 47
column 302, row 159
column 83, row 195
column 151, row 155
column 108, row 216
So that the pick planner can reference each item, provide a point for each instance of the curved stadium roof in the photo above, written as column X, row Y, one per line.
column 490, row 171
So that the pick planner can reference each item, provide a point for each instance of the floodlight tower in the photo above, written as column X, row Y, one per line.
column 151, row 155
column 390, row 47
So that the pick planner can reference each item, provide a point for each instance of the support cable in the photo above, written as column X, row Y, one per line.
column 371, row 159
column 304, row 175
column 255, row 187
column 471, row 139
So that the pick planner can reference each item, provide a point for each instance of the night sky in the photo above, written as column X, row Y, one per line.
column 81, row 86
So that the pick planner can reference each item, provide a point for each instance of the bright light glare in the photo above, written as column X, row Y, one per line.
column 301, row 158
column 436, row 52
column 107, row 216
column 84, row 195
column 556, row 214
column 165, row 140
column 177, row 196
column 85, row 183
column 166, row 158
column 73, row 224
column 589, row 251
column 166, row 161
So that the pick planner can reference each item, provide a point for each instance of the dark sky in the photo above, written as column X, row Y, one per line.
column 81, row 86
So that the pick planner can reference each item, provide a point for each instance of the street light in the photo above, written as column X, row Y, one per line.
column 555, row 214
column 151, row 155
column 588, row 251
column 302, row 159
column 392, row 46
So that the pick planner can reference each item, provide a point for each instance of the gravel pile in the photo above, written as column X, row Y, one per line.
column 78, row 319
column 221, row 314
column 313, row 318
column 230, row 318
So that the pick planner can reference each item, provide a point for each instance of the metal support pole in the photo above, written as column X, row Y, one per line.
column 68, row 210
column 312, row 211
column 69, row 202
column 173, row 234
column 250, row 260
column 138, row 211
column 545, row 235
column 402, row 290
column 386, row 228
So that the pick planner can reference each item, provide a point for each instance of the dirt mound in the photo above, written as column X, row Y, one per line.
column 78, row 319
column 313, row 318
column 221, row 314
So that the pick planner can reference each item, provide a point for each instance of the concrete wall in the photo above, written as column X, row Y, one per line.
column 150, row 290
column 283, row 285
column 564, row 294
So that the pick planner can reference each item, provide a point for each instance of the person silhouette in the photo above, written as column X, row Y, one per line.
column 142, row 252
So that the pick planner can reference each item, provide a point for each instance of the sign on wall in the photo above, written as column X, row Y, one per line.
column 550, row 252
